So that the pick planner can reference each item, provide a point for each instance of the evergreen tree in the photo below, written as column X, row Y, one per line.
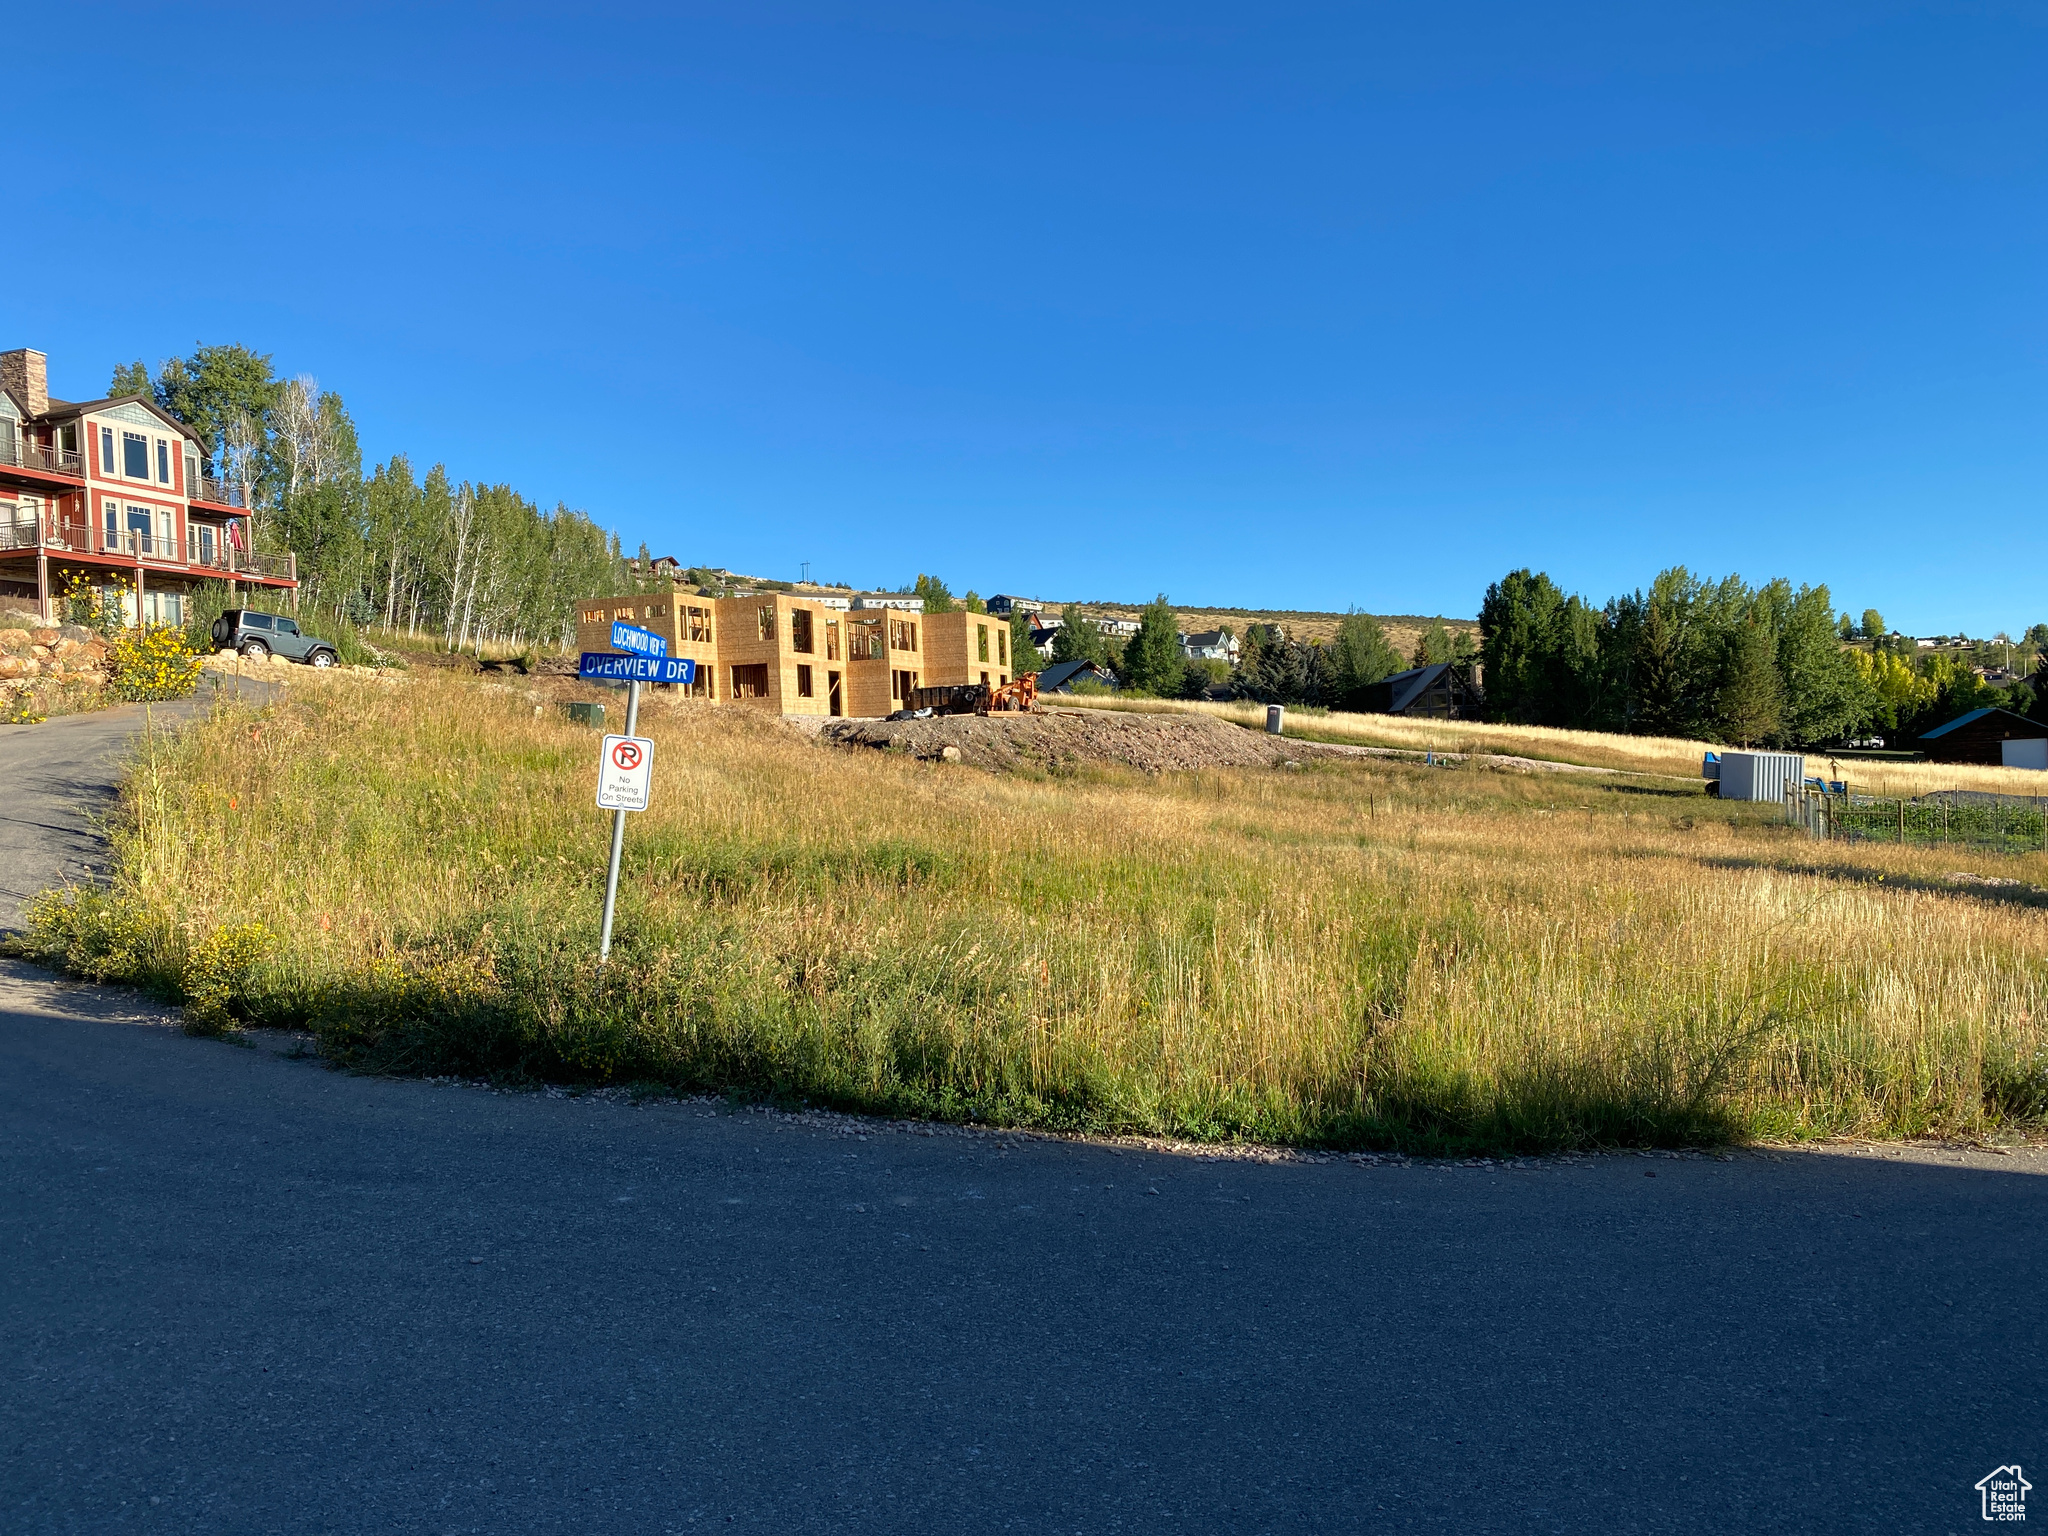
column 1079, row 639
column 1432, row 646
column 1751, row 699
column 215, row 389
column 972, row 602
column 1284, row 672
column 1152, row 659
column 1359, row 656
column 131, row 379
column 1518, row 628
column 1846, row 628
column 1024, row 655
column 938, row 598
column 1825, row 698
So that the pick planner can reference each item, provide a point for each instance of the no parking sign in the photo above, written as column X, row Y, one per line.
column 625, row 769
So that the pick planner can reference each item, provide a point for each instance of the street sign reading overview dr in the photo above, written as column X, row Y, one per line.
column 610, row 667
column 641, row 642
column 625, row 770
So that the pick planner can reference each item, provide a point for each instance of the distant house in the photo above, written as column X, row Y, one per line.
column 1444, row 691
column 1061, row 676
column 1043, row 638
column 1978, row 736
column 1120, row 629
column 1005, row 603
column 1210, row 645
column 902, row 601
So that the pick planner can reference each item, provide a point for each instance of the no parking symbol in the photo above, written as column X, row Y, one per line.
column 625, row 771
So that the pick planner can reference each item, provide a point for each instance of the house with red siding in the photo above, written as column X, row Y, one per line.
column 118, row 489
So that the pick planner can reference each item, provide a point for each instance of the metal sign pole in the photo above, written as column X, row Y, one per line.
column 611, row 879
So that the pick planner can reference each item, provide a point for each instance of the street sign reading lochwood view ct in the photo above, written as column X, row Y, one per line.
column 641, row 642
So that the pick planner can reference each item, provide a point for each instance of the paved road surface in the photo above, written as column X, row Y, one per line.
column 57, row 778
column 243, row 1293
column 247, row 1293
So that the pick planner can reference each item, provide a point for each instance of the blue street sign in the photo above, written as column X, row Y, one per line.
column 641, row 642
column 609, row 667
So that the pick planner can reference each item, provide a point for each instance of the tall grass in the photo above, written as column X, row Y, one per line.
column 1671, row 756
column 1359, row 953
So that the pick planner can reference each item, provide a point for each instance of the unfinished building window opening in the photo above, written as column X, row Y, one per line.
column 1003, row 647
column 981, row 646
column 765, row 617
column 803, row 683
column 800, row 634
column 831, row 639
column 700, row 624
column 902, row 635
column 750, row 682
column 902, row 684
column 864, row 640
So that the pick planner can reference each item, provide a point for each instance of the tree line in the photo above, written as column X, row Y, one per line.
column 1690, row 657
column 1713, row 660
column 466, row 562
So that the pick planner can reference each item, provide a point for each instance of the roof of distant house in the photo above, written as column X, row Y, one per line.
column 1060, row 673
column 1975, row 715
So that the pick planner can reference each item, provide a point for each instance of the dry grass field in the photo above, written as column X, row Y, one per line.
column 1352, row 953
column 1629, row 754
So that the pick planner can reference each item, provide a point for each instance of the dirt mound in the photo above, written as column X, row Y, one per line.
column 1066, row 738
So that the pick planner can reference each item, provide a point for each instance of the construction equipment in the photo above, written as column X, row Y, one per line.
column 1020, row 696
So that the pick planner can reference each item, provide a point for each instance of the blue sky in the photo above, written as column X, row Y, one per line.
column 1266, row 306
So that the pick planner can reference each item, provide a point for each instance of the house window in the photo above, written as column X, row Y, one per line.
column 163, row 462
column 111, row 509
column 191, row 475
column 750, row 682
column 766, row 619
column 803, row 682
column 135, row 455
column 981, row 641
column 800, row 635
column 107, row 450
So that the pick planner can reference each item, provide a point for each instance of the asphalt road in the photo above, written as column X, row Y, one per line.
column 245, row 1293
column 57, row 779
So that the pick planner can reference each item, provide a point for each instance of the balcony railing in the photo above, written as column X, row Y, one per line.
column 214, row 556
column 221, row 493
column 19, row 451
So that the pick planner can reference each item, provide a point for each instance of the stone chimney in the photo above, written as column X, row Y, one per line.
column 25, row 374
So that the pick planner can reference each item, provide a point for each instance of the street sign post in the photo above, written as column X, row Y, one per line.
column 641, row 642
column 625, row 777
column 625, row 771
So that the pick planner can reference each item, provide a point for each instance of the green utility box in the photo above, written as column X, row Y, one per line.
column 587, row 714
